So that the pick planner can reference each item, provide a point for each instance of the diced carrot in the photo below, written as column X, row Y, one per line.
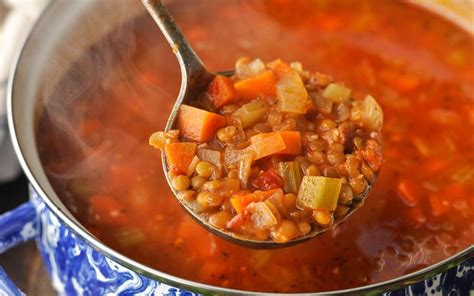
column 408, row 192
column 239, row 202
column 222, row 91
column 260, row 85
column 280, row 68
column 106, row 209
column 197, row 124
column 266, row 144
column 180, row 155
column 292, row 141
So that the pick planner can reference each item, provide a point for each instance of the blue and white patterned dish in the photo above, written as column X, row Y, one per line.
column 76, row 268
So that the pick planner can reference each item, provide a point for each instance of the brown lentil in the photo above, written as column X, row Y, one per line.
column 181, row 182
column 204, row 169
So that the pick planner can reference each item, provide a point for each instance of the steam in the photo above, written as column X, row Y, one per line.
column 80, row 95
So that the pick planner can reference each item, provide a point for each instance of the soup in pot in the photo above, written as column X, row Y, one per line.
column 93, row 139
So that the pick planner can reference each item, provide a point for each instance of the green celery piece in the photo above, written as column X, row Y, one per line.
column 336, row 93
column 319, row 193
column 251, row 113
column 129, row 237
column 290, row 172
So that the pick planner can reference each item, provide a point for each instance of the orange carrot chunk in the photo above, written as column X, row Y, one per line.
column 292, row 141
column 260, row 85
column 180, row 155
column 241, row 201
column 266, row 144
column 222, row 91
column 280, row 68
column 199, row 125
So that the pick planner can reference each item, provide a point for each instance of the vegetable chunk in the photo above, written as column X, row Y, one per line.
column 319, row 193
column 222, row 91
column 260, row 85
column 267, row 144
column 291, row 94
column 251, row 113
column 180, row 155
column 199, row 125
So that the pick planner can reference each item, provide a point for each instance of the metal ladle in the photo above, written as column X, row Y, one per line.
column 194, row 79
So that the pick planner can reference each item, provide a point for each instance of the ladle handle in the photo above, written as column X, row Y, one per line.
column 190, row 63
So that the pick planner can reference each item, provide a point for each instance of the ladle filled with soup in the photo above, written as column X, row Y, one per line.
column 94, row 144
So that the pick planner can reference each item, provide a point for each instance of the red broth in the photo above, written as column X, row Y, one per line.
column 94, row 144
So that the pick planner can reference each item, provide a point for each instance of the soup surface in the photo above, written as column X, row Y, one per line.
column 93, row 139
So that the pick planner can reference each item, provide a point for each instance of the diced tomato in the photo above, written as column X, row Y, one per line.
column 267, row 180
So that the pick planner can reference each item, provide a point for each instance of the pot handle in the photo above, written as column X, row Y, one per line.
column 16, row 227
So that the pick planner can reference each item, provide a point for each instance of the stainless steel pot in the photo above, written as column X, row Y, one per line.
column 60, row 37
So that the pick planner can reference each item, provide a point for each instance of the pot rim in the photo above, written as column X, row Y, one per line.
column 165, row 278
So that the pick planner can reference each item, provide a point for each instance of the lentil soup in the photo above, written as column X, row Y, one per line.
column 94, row 144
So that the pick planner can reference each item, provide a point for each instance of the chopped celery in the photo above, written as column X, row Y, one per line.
column 261, row 215
column 251, row 113
column 336, row 93
column 129, row 237
column 319, row 193
column 291, row 94
column 290, row 172
column 372, row 114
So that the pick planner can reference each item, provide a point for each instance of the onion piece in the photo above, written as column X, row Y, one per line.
column 372, row 114
column 261, row 215
column 245, row 68
column 291, row 94
column 192, row 166
column 214, row 157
